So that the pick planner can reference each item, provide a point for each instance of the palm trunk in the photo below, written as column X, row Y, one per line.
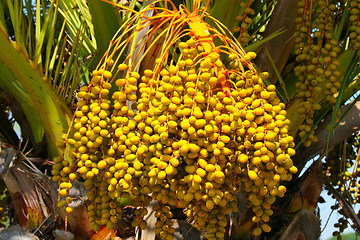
column 32, row 195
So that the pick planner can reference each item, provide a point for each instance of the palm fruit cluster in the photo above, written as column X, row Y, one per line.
column 188, row 131
column 5, row 215
column 354, row 28
column 342, row 169
column 244, row 19
column 316, row 53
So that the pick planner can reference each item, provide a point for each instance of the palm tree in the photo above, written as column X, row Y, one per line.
column 186, row 119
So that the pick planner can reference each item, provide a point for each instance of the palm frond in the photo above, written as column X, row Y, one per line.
column 77, row 16
column 52, row 111
column 8, row 82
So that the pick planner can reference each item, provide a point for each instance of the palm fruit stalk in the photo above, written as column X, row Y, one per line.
column 191, row 131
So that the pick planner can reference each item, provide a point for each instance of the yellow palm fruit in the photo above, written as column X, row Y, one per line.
column 265, row 227
column 252, row 175
column 257, row 231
